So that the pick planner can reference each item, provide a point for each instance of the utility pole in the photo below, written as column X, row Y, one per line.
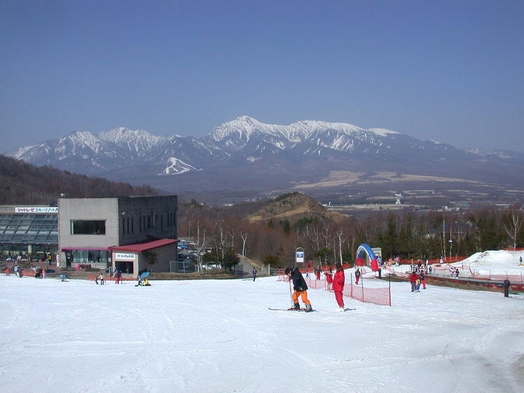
column 444, row 238
column 450, row 240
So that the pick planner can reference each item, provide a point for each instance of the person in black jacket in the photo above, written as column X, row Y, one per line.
column 300, row 288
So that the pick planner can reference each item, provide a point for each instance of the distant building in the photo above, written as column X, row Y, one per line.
column 129, row 233
column 28, row 230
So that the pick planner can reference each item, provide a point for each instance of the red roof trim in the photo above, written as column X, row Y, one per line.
column 140, row 247
column 84, row 249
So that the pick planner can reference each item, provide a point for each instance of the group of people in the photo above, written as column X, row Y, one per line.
column 300, row 287
column 416, row 279
column 101, row 279
column 38, row 272
column 17, row 269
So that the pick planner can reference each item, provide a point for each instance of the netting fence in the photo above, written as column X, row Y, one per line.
column 369, row 289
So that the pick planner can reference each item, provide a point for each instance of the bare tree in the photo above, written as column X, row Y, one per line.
column 512, row 224
column 243, row 236
column 341, row 240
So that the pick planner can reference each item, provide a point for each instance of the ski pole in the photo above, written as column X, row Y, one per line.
column 290, row 294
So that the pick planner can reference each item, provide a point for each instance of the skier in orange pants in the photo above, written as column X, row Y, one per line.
column 300, row 288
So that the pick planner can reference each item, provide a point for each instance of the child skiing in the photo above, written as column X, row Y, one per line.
column 329, row 280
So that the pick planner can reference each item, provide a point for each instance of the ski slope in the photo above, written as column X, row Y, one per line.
column 219, row 336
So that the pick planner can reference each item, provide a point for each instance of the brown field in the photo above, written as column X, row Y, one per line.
column 341, row 178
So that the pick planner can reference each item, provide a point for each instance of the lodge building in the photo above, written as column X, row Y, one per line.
column 129, row 233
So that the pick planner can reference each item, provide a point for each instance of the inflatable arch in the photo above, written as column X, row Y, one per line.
column 366, row 249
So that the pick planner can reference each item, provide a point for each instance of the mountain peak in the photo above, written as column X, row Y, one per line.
column 240, row 129
column 123, row 132
column 243, row 128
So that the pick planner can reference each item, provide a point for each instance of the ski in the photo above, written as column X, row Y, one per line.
column 290, row 309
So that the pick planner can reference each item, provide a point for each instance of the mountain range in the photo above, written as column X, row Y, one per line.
column 245, row 158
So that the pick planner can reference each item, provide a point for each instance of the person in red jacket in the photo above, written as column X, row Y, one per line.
column 338, row 286
column 413, row 277
column 329, row 279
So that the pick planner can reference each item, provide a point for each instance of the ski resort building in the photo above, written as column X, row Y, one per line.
column 128, row 233
column 28, row 231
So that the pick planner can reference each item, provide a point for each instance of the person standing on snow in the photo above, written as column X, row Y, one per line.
column 413, row 277
column 329, row 279
column 317, row 273
column 118, row 276
column 357, row 275
column 338, row 286
column 422, row 279
column 300, row 288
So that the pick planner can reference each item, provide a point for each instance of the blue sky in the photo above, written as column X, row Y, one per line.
column 450, row 71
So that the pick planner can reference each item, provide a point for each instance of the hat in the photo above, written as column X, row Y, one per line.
column 288, row 270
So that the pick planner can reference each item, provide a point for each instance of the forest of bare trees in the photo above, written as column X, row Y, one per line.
column 408, row 235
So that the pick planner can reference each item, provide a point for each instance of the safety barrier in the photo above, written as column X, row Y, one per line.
column 379, row 296
column 498, row 276
column 361, row 292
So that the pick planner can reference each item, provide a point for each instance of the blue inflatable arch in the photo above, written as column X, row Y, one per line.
column 365, row 249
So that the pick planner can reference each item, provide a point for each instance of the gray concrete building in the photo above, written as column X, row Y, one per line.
column 93, row 230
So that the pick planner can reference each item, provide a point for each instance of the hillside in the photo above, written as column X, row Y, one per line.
column 293, row 207
column 26, row 184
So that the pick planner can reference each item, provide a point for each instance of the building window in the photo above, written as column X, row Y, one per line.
column 88, row 256
column 88, row 227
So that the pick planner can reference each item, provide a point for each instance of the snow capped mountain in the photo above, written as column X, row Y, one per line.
column 247, row 154
column 138, row 140
column 245, row 137
column 238, row 133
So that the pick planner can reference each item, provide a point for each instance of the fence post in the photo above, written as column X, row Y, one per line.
column 362, row 284
column 351, row 291
column 506, row 288
column 389, row 287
